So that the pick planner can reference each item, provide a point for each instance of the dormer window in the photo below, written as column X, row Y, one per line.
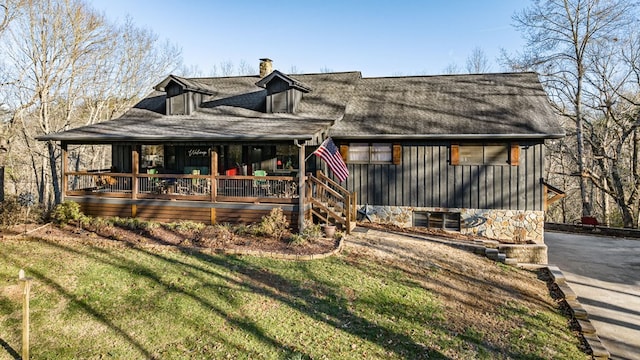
column 183, row 95
column 176, row 100
column 283, row 92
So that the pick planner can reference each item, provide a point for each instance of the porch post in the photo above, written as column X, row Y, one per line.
column 214, row 175
column 65, row 168
column 301, row 185
column 134, row 171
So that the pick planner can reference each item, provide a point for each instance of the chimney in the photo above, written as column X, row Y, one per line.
column 265, row 67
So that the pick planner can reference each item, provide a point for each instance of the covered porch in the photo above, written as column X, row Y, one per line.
column 209, row 191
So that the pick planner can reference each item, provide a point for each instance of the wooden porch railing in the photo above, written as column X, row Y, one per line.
column 331, row 202
column 277, row 189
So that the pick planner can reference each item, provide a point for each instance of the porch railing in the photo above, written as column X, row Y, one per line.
column 282, row 189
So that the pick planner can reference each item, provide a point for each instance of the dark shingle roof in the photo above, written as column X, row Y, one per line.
column 450, row 106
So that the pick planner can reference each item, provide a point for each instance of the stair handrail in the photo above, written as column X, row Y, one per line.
column 348, row 198
column 334, row 185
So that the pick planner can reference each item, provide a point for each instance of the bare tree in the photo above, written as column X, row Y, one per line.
column 226, row 68
column 451, row 69
column 8, row 10
column 477, row 62
column 559, row 34
column 52, row 47
column 613, row 134
column 245, row 69
column 73, row 68
column 294, row 70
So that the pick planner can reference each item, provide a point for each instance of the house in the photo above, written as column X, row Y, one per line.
column 458, row 152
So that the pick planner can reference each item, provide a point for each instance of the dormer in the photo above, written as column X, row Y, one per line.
column 283, row 92
column 183, row 95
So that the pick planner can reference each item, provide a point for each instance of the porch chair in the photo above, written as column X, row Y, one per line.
column 261, row 184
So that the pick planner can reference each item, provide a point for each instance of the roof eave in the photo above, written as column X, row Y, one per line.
column 303, row 137
column 452, row 136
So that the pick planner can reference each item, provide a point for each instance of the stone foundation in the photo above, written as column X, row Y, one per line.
column 506, row 226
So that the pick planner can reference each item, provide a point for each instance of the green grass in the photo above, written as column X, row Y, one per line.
column 127, row 303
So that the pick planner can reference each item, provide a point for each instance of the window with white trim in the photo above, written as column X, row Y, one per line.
column 484, row 154
column 374, row 153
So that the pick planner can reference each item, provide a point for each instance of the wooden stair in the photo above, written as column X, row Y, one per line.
column 330, row 202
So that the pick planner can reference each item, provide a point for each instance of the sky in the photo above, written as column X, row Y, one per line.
column 378, row 38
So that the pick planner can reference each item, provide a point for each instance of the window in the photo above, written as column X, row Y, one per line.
column 377, row 153
column 177, row 105
column 437, row 220
column 152, row 156
column 484, row 154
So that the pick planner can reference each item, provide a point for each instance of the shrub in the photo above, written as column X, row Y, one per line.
column 100, row 223
column 68, row 211
column 10, row 212
column 312, row 231
column 224, row 232
column 134, row 223
column 297, row 239
column 275, row 224
column 187, row 226
column 242, row 229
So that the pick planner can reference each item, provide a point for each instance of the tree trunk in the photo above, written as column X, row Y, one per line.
column 584, row 191
column 55, row 181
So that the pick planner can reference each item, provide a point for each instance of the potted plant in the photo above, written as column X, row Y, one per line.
column 329, row 230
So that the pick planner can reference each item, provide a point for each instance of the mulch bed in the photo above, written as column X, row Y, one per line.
column 211, row 237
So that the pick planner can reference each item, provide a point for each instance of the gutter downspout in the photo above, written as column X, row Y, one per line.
column 301, row 183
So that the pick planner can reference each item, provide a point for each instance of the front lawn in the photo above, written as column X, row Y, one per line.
column 117, row 301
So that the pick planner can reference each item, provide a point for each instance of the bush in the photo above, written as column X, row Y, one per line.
column 312, row 231
column 274, row 225
column 10, row 212
column 68, row 211
column 297, row 240
column 100, row 223
column 224, row 232
column 187, row 226
column 135, row 223
column 242, row 229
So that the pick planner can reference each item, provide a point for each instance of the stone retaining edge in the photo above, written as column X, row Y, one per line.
column 587, row 330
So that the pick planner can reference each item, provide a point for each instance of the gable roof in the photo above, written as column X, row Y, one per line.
column 477, row 106
column 344, row 105
column 264, row 82
column 187, row 84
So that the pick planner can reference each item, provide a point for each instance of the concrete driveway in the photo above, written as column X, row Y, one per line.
column 605, row 274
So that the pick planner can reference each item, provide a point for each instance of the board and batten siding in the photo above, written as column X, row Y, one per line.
column 425, row 178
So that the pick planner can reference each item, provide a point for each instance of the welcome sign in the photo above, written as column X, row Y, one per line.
column 197, row 152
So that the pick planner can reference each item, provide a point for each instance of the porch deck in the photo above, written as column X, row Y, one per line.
column 172, row 197
column 209, row 198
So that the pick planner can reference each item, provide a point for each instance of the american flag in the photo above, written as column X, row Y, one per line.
column 328, row 151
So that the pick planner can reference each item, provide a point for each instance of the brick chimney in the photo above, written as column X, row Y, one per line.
column 265, row 67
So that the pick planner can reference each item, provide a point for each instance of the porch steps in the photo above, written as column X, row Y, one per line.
column 331, row 203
